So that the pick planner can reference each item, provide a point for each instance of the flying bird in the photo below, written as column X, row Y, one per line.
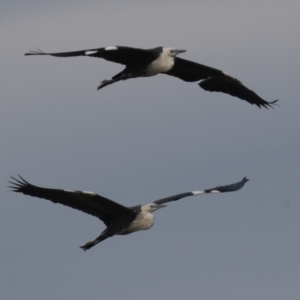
column 150, row 62
column 119, row 220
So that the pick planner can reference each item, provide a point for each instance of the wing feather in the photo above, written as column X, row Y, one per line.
column 219, row 189
column 88, row 202
column 118, row 54
column 214, row 80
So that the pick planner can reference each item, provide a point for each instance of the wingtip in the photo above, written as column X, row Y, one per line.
column 274, row 103
column 17, row 184
column 35, row 52
column 267, row 104
column 245, row 179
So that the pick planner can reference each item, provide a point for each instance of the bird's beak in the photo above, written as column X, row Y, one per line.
column 176, row 51
column 158, row 206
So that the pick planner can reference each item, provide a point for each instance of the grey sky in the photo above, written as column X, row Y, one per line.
column 144, row 139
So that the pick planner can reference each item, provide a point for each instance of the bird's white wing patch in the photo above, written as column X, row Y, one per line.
column 198, row 192
column 87, row 192
column 109, row 48
column 226, row 73
column 69, row 191
column 90, row 52
column 215, row 192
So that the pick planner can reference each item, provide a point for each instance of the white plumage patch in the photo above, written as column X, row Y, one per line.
column 109, row 48
column 143, row 221
column 215, row 192
column 87, row 192
column 197, row 192
column 70, row 191
column 91, row 52
column 163, row 63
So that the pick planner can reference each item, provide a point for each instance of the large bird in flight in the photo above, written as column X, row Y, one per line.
column 150, row 62
column 119, row 220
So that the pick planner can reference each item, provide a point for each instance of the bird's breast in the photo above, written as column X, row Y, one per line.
column 143, row 221
column 162, row 64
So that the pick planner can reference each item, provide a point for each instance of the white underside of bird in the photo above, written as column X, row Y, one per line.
column 143, row 221
column 162, row 64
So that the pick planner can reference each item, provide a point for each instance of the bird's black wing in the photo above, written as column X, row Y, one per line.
column 219, row 189
column 190, row 71
column 214, row 80
column 87, row 202
column 118, row 54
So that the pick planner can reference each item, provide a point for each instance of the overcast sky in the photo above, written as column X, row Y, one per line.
column 145, row 139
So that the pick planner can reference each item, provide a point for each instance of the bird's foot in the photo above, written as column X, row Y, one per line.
column 104, row 83
column 87, row 246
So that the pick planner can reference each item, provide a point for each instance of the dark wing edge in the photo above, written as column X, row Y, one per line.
column 61, row 54
column 19, row 185
column 228, row 188
column 214, row 80
column 88, row 202
column 219, row 189
column 231, row 86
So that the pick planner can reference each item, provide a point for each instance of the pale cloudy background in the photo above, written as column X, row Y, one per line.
column 145, row 139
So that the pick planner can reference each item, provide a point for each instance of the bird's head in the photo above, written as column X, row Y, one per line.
column 151, row 207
